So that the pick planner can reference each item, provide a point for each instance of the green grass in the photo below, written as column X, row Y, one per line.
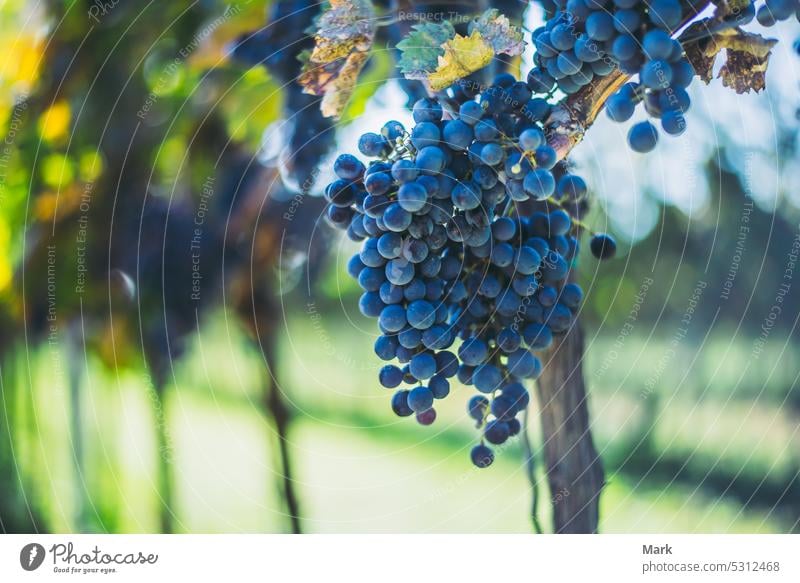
column 359, row 468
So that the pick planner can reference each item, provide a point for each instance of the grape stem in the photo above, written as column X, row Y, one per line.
column 530, row 468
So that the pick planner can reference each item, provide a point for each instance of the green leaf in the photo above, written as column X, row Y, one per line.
column 421, row 49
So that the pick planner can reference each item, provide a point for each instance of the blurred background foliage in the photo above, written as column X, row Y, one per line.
column 129, row 405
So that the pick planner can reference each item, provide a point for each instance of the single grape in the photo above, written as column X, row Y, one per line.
column 603, row 246
column 426, row 417
column 642, row 137
column 420, row 399
column 400, row 404
column 481, row 456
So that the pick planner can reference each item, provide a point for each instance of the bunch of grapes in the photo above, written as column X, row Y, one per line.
column 589, row 38
column 446, row 258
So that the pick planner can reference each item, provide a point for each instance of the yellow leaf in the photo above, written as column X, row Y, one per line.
column 341, row 47
column 462, row 55
column 54, row 123
column 5, row 255
column 338, row 93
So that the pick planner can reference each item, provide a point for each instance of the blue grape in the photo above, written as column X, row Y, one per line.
column 485, row 130
column 399, row 271
column 423, row 365
column 428, row 110
column 531, row 139
column 643, row 137
column 537, row 336
column 496, row 432
column 390, row 376
column 603, row 246
column 411, row 197
column 371, row 304
column 473, row 352
column 487, row 378
column 546, row 157
column 665, row 13
column 409, row 338
column 481, row 456
column 400, row 404
column 458, row 133
column 420, row 399
column 426, row 417
column 386, row 347
column 393, row 318
column 372, row 145
column 470, row 112
column 656, row 74
column 439, row 386
column 657, row 44
column 441, row 262
column 466, row 196
column 600, row 26
column 491, row 154
column 571, row 295
column 539, row 183
column 421, row 314
column 571, row 186
column 560, row 223
column 502, row 255
column 425, row 134
column 355, row 266
column 539, row 81
column 404, row 171
column 396, row 218
column 392, row 130
column 430, row 160
column 620, row 107
column 348, row 167
column 504, row 229
column 673, row 123
column 390, row 245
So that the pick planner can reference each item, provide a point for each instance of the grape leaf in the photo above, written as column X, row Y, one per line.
column 497, row 30
column 341, row 47
column 421, row 49
column 746, row 58
column 462, row 55
column 744, row 71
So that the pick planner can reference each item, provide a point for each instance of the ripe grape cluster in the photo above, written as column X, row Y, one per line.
column 445, row 258
column 591, row 38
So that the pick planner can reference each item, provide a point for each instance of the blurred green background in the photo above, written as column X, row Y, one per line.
column 129, row 408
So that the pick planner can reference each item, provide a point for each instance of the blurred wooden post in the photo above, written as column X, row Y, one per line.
column 574, row 470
